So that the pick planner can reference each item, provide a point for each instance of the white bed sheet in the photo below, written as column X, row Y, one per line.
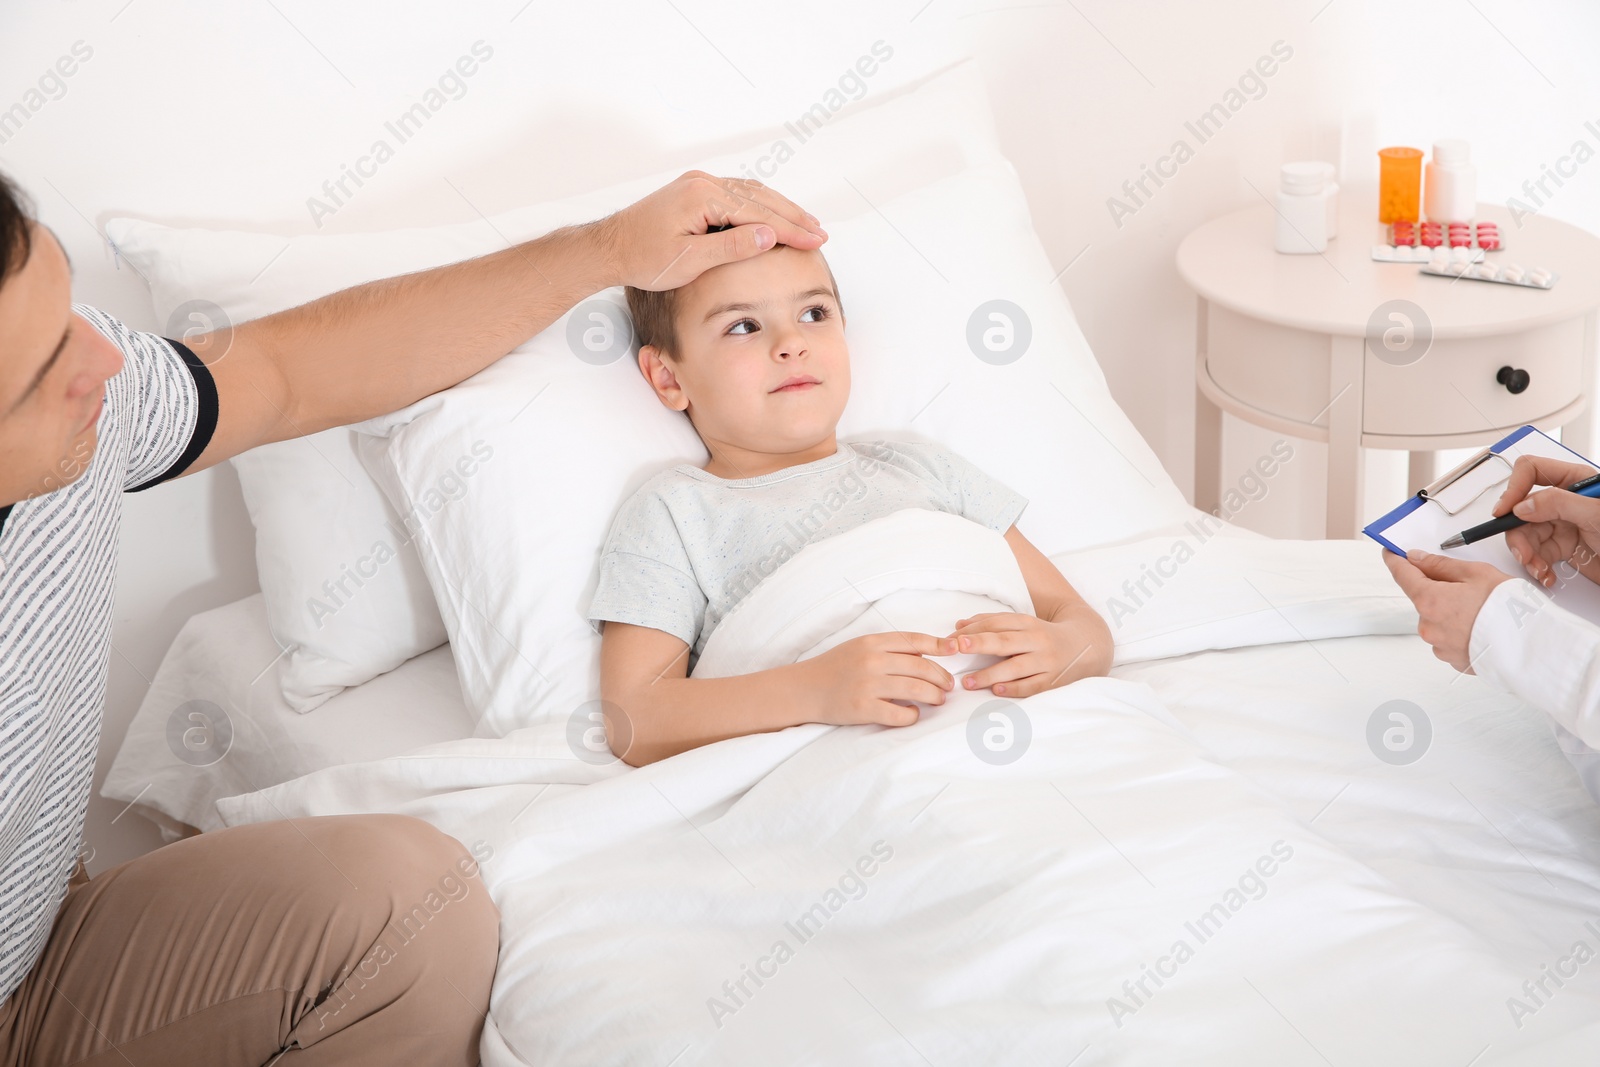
column 1491, row 825
column 227, row 656
column 1429, row 892
column 1490, row 831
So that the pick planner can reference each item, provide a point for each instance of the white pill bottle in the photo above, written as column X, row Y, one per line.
column 1302, row 208
column 1450, row 183
column 1330, row 197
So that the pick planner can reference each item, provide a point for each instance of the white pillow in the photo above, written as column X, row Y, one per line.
column 320, row 522
column 345, row 596
column 557, row 440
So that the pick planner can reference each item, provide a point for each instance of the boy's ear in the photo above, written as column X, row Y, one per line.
column 656, row 371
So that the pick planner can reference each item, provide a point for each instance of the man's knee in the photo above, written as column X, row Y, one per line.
column 421, row 889
column 441, row 877
column 388, row 851
column 422, row 872
column 412, row 902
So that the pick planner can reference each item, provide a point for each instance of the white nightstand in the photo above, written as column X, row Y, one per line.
column 1294, row 343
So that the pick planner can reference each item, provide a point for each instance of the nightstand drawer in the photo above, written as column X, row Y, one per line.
column 1452, row 389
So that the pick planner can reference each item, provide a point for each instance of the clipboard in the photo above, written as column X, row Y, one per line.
column 1464, row 497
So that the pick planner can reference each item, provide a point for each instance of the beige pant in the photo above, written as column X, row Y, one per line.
column 356, row 940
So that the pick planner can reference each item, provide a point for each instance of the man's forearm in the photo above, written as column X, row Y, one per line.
column 375, row 348
column 378, row 347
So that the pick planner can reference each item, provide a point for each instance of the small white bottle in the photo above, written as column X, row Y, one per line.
column 1330, row 196
column 1302, row 208
column 1450, row 183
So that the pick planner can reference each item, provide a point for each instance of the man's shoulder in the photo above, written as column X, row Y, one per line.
column 161, row 406
column 141, row 352
column 132, row 342
column 110, row 325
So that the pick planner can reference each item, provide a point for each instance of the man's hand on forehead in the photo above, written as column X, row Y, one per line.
column 675, row 234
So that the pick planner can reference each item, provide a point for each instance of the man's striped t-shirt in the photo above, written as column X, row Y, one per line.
column 58, row 561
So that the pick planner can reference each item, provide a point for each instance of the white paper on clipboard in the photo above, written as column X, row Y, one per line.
column 1424, row 524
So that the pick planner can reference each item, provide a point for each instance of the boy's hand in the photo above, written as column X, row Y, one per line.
column 863, row 680
column 1039, row 654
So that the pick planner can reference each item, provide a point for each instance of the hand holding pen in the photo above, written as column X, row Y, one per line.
column 1547, row 528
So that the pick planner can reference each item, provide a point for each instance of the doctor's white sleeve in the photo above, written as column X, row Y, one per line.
column 1526, row 644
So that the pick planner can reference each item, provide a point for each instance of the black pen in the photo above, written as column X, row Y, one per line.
column 1589, row 487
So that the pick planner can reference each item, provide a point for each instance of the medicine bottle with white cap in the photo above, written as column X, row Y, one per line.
column 1302, row 208
column 1450, row 183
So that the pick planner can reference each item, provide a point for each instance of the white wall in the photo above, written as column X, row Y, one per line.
column 1533, row 87
column 236, row 113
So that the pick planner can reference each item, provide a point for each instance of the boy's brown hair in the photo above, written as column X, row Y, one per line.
column 655, row 314
column 653, row 318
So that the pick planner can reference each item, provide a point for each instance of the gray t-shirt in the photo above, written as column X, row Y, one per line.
column 689, row 545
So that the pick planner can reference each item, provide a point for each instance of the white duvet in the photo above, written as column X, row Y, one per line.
column 865, row 895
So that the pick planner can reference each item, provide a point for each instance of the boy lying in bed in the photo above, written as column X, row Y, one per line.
column 755, row 354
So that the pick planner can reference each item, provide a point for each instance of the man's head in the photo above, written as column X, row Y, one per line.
column 726, row 347
column 53, row 365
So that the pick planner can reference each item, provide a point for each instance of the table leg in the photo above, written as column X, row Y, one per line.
column 1419, row 471
column 1578, row 434
column 1207, row 426
column 1345, row 366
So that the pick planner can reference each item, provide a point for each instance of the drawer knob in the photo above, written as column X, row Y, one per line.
column 1513, row 379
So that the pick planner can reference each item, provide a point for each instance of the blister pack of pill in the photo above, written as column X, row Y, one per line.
column 1412, row 242
column 1505, row 274
column 1434, row 255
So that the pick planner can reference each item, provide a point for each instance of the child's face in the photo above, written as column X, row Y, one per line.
column 746, row 331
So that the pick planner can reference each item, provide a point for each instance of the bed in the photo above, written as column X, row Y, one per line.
column 1488, row 837
column 219, row 669
column 1219, row 854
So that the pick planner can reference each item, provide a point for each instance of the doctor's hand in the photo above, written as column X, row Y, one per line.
column 1447, row 593
column 661, row 242
column 1562, row 527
